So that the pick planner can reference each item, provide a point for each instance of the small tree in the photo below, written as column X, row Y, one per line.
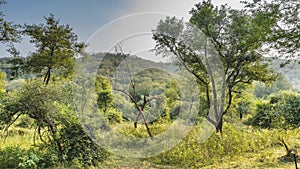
column 104, row 91
column 56, row 46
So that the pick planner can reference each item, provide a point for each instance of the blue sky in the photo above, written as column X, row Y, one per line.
column 88, row 16
column 84, row 16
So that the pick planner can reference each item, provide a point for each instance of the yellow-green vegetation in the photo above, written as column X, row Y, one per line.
column 58, row 110
column 239, row 146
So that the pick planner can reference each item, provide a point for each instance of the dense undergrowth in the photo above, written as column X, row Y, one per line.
column 239, row 146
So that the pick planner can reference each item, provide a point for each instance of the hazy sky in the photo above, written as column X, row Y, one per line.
column 89, row 16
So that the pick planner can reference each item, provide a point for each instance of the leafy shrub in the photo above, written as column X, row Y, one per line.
column 14, row 157
column 266, row 116
column 113, row 116
column 50, row 109
column 282, row 110
column 78, row 146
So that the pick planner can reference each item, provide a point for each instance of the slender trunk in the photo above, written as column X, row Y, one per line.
column 207, row 97
column 47, row 76
column 288, row 151
column 229, row 101
column 136, row 120
column 218, row 104
column 219, row 127
column 146, row 124
column 105, row 108
column 295, row 160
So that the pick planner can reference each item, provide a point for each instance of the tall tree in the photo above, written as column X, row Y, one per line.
column 234, row 35
column 56, row 46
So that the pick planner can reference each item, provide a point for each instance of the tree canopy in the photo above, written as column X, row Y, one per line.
column 56, row 46
column 223, row 27
column 285, row 31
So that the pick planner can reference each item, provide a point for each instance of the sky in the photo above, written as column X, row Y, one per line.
column 101, row 22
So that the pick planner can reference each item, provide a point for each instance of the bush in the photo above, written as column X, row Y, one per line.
column 78, row 146
column 266, row 116
column 282, row 110
column 113, row 116
column 14, row 157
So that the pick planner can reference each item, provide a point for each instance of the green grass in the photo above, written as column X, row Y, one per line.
column 240, row 146
column 17, row 137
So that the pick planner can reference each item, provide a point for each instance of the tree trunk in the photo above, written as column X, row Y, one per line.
column 219, row 127
column 288, row 151
column 47, row 76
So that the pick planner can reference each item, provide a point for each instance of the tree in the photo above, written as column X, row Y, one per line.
column 17, row 62
column 233, row 34
column 8, row 30
column 54, row 118
column 139, row 107
column 104, row 91
column 56, row 48
column 283, row 42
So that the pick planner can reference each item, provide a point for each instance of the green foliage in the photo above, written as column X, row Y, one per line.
column 284, row 35
column 17, row 64
column 54, row 120
column 2, row 83
column 172, row 93
column 244, row 103
column 14, row 157
column 46, row 112
column 280, row 111
column 149, row 83
column 104, row 92
column 234, row 36
column 78, row 146
column 56, row 48
column 32, row 99
column 113, row 116
column 8, row 30
column 266, row 116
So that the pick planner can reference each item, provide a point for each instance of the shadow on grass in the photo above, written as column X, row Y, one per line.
column 290, row 158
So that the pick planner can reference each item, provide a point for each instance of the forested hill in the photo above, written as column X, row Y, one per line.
column 107, row 64
column 290, row 71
